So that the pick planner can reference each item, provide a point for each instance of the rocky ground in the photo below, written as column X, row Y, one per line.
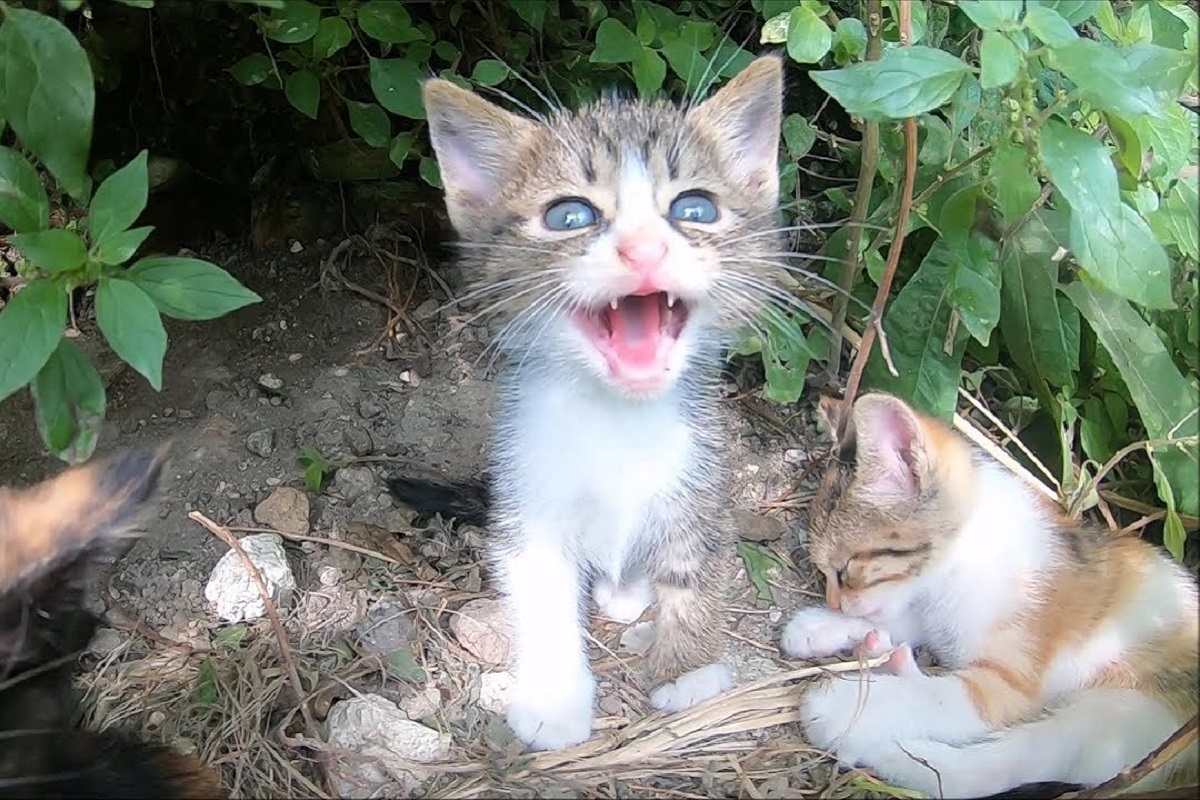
column 389, row 630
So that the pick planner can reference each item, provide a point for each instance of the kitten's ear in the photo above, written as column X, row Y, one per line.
column 835, row 420
column 893, row 462
column 745, row 115
column 475, row 142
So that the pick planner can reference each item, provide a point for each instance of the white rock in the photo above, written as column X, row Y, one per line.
column 638, row 638
column 494, row 688
column 234, row 592
column 423, row 704
column 375, row 728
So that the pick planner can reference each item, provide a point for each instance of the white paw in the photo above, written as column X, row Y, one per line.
column 692, row 687
column 819, row 633
column 623, row 603
column 836, row 715
column 552, row 715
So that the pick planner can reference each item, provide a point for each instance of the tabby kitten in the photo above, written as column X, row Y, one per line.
column 1072, row 651
column 620, row 244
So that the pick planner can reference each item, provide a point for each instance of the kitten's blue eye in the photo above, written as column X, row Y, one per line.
column 569, row 215
column 694, row 208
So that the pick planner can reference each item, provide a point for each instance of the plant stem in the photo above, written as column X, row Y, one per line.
column 875, row 319
column 868, row 166
column 1094, row 484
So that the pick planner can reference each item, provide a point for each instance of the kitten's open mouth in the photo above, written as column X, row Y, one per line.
column 635, row 333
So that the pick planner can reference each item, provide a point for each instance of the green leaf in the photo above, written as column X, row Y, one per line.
column 1172, row 139
column 649, row 72
column 533, row 12
column 119, row 248
column 370, row 122
column 400, row 147
column 188, row 288
column 905, row 82
column 429, row 171
column 252, row 70
column 999, row 59
column 1049, row 26
column 48, row 94
column 303, row 91
column 231, row 638
column 295, row 22
column 615, row 44
column 975, row 285
column 31, row 325
column 1163, row 397
column 1014, row 184
column 1126, row 81
column 798, row 135
column 144, row 5
column 56, row 250
column 918, row 329
column 129, row 321
column 775, row 29
column 1075, row 12
column 937, row 142
column 387, row 21
column 489, row 72
column 759, row 564
column 1041, row 334
column 333, row 33
column 964, row 107
column 992, row 15
column 785, row 357
column 23, row 202
column 809, row 37
column 686, row 61
column 69, row 402
column 396, row 84
column 1175, row 221
column 119, row 200
column 1110, row 240
column 850, row 38
column 402, row 666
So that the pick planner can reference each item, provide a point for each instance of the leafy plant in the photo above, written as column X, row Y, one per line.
column 48, row 101
column 1051, row 253
column 317, row 468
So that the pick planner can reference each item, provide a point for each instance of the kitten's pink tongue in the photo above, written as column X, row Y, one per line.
column 636, row 329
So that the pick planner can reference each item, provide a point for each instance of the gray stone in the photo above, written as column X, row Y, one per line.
column 354, row 482
column 261, row 442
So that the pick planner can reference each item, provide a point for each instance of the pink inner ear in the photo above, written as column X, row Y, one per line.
column 465, row 173
column 888, row 437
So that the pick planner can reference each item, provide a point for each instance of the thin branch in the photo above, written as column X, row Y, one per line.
column 868, row 166
column 1092, row 487
column 906, row 196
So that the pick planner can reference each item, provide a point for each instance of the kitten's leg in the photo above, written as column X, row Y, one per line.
column 691, row 576
column 817, row 632
column 622, row 602
column 551, row 705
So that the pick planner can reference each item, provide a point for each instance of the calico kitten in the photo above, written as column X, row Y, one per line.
column 1072, row 651
column 51, row 538
column 620, row 244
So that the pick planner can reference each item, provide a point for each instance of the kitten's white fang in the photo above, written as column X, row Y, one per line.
column 670, row 300
column 612, row 304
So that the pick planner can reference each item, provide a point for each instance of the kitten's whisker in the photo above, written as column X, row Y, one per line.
column 741, row 285
column 509, row 298
column 491, row 288
column 798, row 256
column 512, row 247
column 808, row 276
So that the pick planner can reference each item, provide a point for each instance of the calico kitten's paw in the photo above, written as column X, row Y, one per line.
column 623, row 603
column 692, row 687
column 552, row 715
column 819, row 633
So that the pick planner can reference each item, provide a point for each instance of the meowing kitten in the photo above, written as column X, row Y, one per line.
column 620, row 244
column 1072, row 652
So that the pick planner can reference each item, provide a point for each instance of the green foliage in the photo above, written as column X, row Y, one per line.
column 1055, row 206
column 47, row 96
column 317, row 468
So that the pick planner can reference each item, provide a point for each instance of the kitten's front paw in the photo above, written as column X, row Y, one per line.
column 857, row 713
column 692, row 687
column 623, row 603
column 552, row 715
column 819, row 633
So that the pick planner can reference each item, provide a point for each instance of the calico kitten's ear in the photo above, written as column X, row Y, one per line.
column 475, row 142
column 893, row 461
column 745, row 115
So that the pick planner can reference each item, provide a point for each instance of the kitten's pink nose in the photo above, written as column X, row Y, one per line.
column 642, row 253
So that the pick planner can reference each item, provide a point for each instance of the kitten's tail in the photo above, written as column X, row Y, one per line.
column 466, row 501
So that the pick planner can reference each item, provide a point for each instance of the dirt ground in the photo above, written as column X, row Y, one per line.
column 374, row 611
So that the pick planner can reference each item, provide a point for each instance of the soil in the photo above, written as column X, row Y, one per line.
column 372, row 403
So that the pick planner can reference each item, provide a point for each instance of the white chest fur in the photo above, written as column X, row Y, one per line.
column 593, row 466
